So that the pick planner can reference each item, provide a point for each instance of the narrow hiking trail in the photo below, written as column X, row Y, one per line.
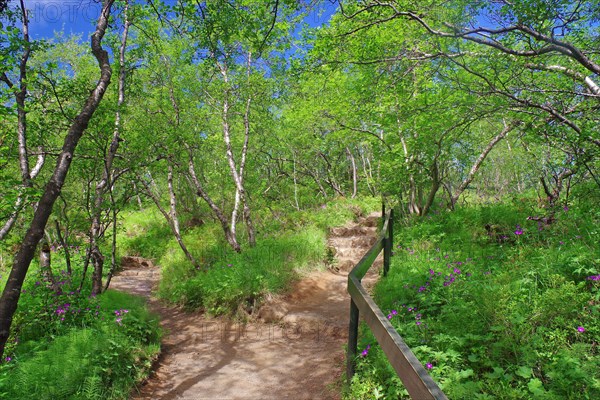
column 293, row 349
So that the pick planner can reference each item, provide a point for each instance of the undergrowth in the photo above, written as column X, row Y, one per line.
column 495, row 305
column 66, row 344
column 288, row 244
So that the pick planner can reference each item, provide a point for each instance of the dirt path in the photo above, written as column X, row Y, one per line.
column 294, row 349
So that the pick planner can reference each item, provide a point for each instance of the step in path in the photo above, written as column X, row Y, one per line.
column 291, row 349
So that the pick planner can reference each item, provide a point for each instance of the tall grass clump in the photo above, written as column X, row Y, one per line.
column 288, row 244
column 494, row 304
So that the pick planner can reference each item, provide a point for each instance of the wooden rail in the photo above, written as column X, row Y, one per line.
column 411, row 372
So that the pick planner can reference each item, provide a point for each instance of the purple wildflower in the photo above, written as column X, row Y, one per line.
column 365, row 352
column 594, row 278
column 580, row 329
column 518, row 231
column 429, row 365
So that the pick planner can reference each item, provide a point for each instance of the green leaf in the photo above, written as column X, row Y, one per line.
column 536, row 387
column 524, row 372
column 465, row 373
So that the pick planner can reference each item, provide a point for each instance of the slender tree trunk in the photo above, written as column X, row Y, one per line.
column 113, row 253
column 413, row 190
column 243, row 195
column 231, row 239
column 105, row 182
column 22, row 261
column 20, row 97
column 354, row 173
column 435, row 186
column 175, row 218
column 46, row 264
column 65, row 247
column 7, row 227
column 171, row 216
column 330, row 179
column 237, row 175
column 465, row 183
column 295, row 184
column 315, row 177
column 229, row 153
column 137, row 196
column 413, row 198
column 554, row 193
column 368, row 173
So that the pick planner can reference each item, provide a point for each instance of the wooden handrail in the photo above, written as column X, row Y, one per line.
column 411, row 372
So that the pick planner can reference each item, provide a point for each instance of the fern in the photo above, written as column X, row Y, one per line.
column 92, row 388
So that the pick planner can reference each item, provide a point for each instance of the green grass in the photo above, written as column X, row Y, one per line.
column 495, row 317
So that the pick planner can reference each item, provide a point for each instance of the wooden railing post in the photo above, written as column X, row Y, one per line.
column 389, row 243
column 352, row 341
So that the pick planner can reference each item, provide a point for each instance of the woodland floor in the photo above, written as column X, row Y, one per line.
column 293, row 348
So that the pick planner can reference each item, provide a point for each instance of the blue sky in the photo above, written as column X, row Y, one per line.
column 79, row 16
column 70, row 16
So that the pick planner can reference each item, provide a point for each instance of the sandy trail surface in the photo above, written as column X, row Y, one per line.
column 292, row 350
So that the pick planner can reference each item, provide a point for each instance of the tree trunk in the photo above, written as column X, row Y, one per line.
column 175, row 218
column 22, row 261
column 231, row 239
column 465, row 183
column 368, row 173
column 413, row 198
column 237, row 175
column 45, row 264
column 435, row 186
column 330, row 179
column 20, row 97
column 65, row 247
column 113, row 254
column 295, row 183
column 354, row 173
column 171, row 216
column 105, row 182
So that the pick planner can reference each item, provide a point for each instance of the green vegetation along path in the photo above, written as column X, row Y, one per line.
column 292, row 349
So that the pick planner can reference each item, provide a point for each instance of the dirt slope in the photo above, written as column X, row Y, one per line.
column 294, row 350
